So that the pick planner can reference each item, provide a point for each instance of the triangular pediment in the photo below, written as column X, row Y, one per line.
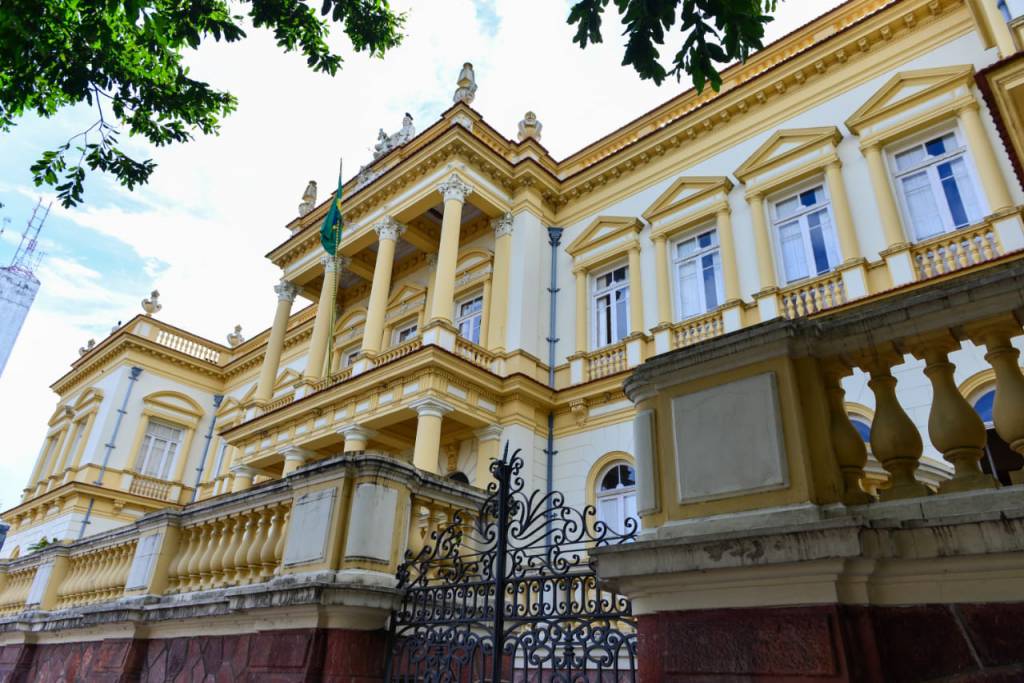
column 604, row 229
column 472, row 259
column 286, row 378
column 907, row 88
column 404, row 293
column 684, row 192
column 786, row 144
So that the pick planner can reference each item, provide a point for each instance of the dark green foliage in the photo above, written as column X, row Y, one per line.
column 714, row 33
column 124, row 59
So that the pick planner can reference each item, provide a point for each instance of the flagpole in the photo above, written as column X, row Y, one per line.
column 337, row 273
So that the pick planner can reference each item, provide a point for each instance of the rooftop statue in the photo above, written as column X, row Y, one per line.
column 466, row 90
column 308, row 198
column 530, row 127
column 82, row 350
column 386, row 143
column 235, row 338
column 152, row 304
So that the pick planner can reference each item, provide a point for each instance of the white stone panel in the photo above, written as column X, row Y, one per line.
column 146, row 553
column 728, row 439
column 311, row 522
column 373, row 519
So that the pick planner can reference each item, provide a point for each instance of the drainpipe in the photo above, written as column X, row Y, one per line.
column 133, row 377
column 554, row 239
column 217, row 398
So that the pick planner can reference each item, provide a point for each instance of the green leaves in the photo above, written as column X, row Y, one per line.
column 715, row 33
column 124, row 59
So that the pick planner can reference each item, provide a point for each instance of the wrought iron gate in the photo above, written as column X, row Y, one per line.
column 507, row 593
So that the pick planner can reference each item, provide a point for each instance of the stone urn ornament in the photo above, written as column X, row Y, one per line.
column 152, row 305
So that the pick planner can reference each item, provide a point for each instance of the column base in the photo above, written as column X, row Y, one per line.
column 440, row 333
column 768, row 303
column 855, row 279
column 900, row 264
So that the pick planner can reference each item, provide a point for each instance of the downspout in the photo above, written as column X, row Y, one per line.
column 554, row 239
column 133, row 377
column 217, row 398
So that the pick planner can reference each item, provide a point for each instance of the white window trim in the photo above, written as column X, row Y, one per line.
column 595, row 293
column 396, row 335
column 346, row 353
column 905, row 144
column 478, row 314
column 168, row 467
column 618, row 494
column 675, row 261
column 792, row 191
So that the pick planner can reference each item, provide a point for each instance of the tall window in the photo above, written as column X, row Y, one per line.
column 76, row 439
column 699, row 274
column 616, row 496
column 159, row 447
column 348, row 356
column 936, row 186
column 807, row 240
column 405, row 333
column 611, row 306
column 468, row 315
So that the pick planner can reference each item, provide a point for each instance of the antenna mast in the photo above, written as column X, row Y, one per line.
column 26, row 258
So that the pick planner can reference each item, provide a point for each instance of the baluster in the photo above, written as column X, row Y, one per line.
column 203, row 538
column 267, row 562
column 101, row 577
column 235, row 529
column 243, row 546
column 817, row 302
column 206, row 559
column 975, row 243
column 279, row 546
column 222, row 531
column 849, row 448
column 894, row 438
column 252, row 556
column 1008, row 411
column 174, row 571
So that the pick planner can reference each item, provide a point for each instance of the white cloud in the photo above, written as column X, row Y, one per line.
column 217, row 205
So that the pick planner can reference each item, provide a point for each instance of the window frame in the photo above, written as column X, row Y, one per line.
column 790, row 191
column 396, row 334
column 167, row 469
column 676, row 262
column 619, row 495
column 595, row 294
column 459, row 319
column 907, row 143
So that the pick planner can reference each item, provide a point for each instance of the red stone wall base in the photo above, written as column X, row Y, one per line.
column 968, row 643
column 292, row 656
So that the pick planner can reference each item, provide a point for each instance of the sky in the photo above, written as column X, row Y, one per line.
column 199, row 230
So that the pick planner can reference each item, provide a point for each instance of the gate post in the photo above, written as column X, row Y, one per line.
column 504, row 472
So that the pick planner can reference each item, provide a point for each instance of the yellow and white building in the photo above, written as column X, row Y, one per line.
column 874, row 151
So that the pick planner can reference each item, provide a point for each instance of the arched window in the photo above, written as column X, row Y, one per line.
column 862, row 426
column 999, row 457
column 616, row 495
column 983, row 406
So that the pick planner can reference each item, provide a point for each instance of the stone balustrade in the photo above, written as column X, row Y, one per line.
column 345, row 521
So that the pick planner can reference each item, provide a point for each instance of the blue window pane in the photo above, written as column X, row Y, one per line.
column 704, row 240
column 863, row 428
column 949, row 187
column 983, row 406
column 818, row 244
column 809, row 198
column 710, row 290
column 935, row 147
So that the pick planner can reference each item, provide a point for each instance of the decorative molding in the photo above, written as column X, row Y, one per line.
column 455, row 188
column 388, row 229
column 502, row 225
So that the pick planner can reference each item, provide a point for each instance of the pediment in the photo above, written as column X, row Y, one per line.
column 786, row 145
column 287, row 378
column 228, row 406
column 684, row 193
column 602, row 231
column 908, row 88
column 472, row 259
column 174, row 401
column 404, row 293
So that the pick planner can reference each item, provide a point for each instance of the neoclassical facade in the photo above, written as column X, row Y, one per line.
column 485, row 292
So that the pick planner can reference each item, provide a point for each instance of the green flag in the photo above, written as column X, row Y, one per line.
column 330, row 231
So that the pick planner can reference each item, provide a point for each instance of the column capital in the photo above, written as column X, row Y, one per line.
column 357, row 432
column 244, row 471
column 388, row 229
column 502, row 225
column 431, row 407
column 432, row 260
column 489, row 433
column 296, row 453
column 286, row 291
column 333, row 264
column 455, row 188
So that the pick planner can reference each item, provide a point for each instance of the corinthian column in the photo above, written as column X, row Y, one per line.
column 286, row 292
column 500, row 282
column 454, row 190
column 388, row 231
column 315, row 363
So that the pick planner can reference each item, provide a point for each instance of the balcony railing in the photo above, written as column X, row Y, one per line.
column 814, row 296
column 241, row 539
column 607, row 361
column 474, row 353
column 955, row 251
column 151, row 487
column 693, row 330
column 187, row 346
column 397, row 352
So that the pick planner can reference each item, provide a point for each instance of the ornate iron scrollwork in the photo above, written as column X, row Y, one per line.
column 508, row 592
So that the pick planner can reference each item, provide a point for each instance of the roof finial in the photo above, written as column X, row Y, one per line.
column 466, row 91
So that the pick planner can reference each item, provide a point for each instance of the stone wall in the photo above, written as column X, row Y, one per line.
column 287, row 656
column 968, row 643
